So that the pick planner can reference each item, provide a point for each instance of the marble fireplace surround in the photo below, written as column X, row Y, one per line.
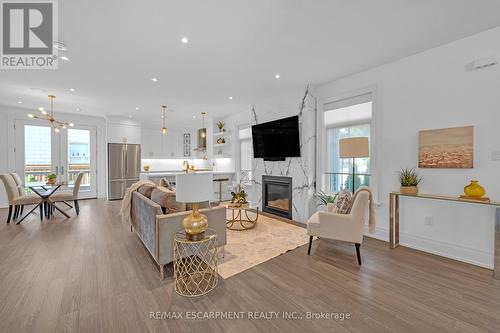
column 301, row 169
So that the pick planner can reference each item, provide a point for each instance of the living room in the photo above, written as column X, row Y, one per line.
column 249, row 166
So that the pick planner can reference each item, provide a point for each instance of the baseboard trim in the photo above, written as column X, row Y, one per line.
column 443, row 249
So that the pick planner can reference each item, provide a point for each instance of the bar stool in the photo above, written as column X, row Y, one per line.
column 220, row 180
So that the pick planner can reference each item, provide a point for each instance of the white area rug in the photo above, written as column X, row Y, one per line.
column 267, row 240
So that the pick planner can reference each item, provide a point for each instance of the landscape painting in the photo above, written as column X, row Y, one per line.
column 446, row 148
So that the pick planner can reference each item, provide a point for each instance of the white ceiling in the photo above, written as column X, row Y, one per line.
column 235, row 48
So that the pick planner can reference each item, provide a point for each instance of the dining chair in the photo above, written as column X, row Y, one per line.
column 16, row 201
column 20, row 186
column 70, row 195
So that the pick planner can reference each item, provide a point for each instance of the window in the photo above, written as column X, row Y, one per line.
column 345, row 119
column 246, row 153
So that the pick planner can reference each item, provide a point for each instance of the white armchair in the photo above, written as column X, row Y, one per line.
column 343, row 227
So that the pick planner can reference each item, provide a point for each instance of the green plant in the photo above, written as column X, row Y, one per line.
column 221, row 125
column 324, row 198
column 51, row 176
column 239, row 197
column 409, row 177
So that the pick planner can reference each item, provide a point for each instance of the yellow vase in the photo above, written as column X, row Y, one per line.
column 474, row 190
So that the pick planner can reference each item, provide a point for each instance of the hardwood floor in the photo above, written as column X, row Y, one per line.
column 90, row 274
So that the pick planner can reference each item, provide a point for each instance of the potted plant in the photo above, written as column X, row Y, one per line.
column 323, row 199
column 51, row 179
column 409, row 180
column 221, row 125
column 238, row 197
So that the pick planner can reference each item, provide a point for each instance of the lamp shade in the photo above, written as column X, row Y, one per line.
column 354, row 147
column 194, row 187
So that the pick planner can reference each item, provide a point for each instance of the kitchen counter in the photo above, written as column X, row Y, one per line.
column 179, row 172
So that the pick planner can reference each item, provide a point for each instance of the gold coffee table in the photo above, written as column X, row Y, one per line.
column 237, row 218
column 195, row 264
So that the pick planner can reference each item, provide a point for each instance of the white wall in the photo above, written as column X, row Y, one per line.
column 8, row 116
column 436, row 89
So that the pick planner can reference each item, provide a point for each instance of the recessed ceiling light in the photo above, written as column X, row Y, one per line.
column 78, row 109
column 40, row 108
column 184, row 40
column 154, row 79
column 64, row 58
column 230, row 97
column 194, row 117
column 19, row 102
column 277, row 76
column 72, row 89
column 137, row 108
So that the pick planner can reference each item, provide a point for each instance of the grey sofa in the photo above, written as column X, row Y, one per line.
column 156, row 230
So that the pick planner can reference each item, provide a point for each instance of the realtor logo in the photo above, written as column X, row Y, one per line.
column 28, row 32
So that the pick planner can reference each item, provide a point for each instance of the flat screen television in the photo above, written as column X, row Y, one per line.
column 275, row 140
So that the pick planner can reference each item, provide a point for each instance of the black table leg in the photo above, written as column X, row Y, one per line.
column 31, row 211
column 51, row 204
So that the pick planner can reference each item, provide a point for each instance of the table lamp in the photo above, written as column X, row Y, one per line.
column 194, row 188
column 357, row 147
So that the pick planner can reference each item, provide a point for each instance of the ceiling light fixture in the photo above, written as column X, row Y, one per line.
column 230, row 98
column 54, row 123
column 19, row 102
column 277, row 76
column 137, row 108
column 64, row 58
column 72, row 89
column 154, row 79
column 184, row 40
column 164, row 116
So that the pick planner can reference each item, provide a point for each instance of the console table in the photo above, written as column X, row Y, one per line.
column 394, row 220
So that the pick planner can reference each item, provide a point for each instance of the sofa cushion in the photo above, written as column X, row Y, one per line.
column 166, row 199
column 146, row 190
column 165, row 183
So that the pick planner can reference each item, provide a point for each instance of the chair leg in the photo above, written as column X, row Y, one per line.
column 77, row 207
column 16, row 212
column 22, row 209
column 310, row 243
column 41, row 211
column 358, row 252
column 10, row 214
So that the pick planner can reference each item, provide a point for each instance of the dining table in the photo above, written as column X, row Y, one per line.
column 45, row 192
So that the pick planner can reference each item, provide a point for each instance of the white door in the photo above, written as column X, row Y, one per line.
column 41, row 151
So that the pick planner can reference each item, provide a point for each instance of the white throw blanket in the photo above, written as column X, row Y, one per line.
column 371, row 217
column 127, row 200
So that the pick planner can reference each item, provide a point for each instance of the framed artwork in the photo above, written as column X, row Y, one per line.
column 446, row 148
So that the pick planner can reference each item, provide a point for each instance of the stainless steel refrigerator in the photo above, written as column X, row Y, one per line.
column 124, row 166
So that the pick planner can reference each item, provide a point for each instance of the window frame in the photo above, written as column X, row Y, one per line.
column 238, row 147
column 375, row 130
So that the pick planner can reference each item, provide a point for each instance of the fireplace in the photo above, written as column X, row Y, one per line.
column 277, row 196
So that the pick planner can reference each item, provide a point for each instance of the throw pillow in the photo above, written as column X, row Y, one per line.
column 165, row 183
column 146, row 190
column 167, row 200
column 343, row 203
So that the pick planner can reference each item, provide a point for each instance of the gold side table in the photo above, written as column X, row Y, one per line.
column 195, row 264
column 237, row 217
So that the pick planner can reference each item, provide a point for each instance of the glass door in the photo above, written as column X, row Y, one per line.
column 41, row 151
column 36, row 151
column 78, row 155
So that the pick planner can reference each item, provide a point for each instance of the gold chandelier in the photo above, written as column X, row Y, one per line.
column 164, row 116
column 50, row 117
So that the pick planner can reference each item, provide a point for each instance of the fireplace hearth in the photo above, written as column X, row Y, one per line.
column 277, row 195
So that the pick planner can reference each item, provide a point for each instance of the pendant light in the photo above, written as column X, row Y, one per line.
column 51, row 118
column 164, row 116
